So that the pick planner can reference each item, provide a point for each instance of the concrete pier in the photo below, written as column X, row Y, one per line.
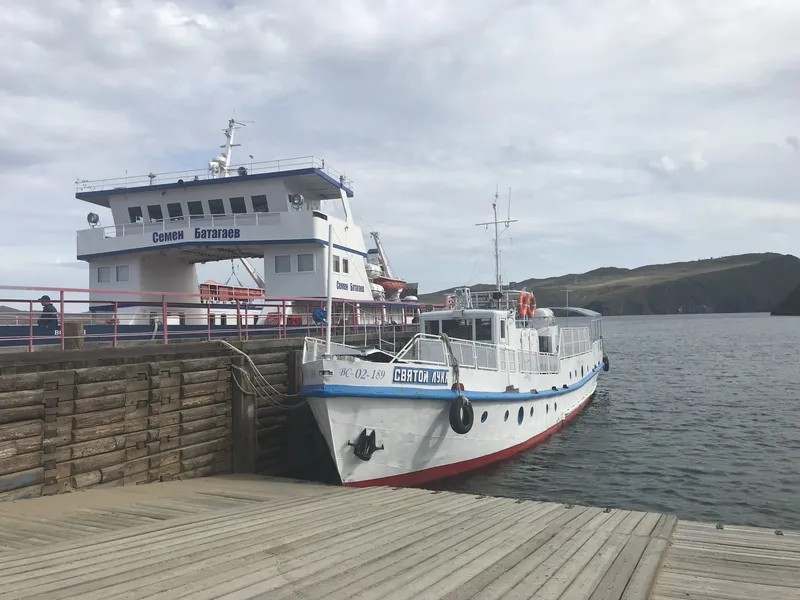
column 238, row 537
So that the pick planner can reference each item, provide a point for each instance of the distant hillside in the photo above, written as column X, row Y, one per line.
column 789, row 306
column 744, row 283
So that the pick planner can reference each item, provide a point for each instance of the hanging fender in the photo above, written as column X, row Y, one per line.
column 461, row 415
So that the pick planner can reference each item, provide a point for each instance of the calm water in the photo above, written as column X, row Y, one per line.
column 699, row 416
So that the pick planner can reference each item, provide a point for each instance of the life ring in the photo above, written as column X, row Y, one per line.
column 450, row 302
column 532, row 306
column 461, row 415
column 523, row 304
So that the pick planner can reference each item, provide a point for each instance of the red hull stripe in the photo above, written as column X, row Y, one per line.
column 443, row 471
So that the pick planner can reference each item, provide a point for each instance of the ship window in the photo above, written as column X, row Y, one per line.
column 123, row 272
column 135, row 214
column 103, row 274
column 345, row 265
column 335, row 264
column 483, row 330
column 460, row 329
column 238, row 205
column 195, row 208
column 283, row 264
column 432, row 327
column 305, row 263
column 502, row 329
column 260, row 203
column 223, row 319
column 216, row 207
column 154, row 212
column 175, row 211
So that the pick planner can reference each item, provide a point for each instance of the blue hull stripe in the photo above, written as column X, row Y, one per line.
column 413, row 393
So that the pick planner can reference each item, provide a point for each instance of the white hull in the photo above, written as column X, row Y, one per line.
column 411, row 421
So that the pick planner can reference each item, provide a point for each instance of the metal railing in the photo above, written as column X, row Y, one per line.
column 574, row 341
column 173, row 223
column 252, row 168
column 431, row 349
column 113, row 317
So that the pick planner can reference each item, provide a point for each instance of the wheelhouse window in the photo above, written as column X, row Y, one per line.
column 154, row 212
column 216, row 206
column 103, row 274
column 335, row 264
column 483, row 330
column 345, row 266
column 195, row 208
column 260, row 204
column 135, row 214
column 460, row 329
column 175, row 211
column 502, row 329
column 238, row 205
column 432, row 327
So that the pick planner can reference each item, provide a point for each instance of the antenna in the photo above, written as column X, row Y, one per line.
column 497, row 234
column 221, row 164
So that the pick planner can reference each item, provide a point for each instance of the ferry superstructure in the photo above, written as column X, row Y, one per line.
column 276, row 212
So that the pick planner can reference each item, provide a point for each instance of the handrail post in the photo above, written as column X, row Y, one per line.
column 164, row 317
column 282, row 324
column 61, row 329
column 116, row 321
column 30, row 318
column 208, row 321
column 239, row 320
column 246, row 322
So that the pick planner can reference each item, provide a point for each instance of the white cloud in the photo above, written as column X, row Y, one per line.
column 630, row 132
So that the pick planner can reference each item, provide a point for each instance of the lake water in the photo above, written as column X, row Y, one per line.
column 699, row 416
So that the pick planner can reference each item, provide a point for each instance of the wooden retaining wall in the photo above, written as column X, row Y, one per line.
column 70, row 420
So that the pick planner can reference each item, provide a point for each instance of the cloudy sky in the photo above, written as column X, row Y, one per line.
column 630, row 131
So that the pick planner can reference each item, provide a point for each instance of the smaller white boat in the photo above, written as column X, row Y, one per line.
column 487, row 377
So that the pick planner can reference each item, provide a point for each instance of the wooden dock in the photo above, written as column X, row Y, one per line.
column 238, row 537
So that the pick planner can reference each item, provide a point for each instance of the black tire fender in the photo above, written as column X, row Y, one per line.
column 462, row 415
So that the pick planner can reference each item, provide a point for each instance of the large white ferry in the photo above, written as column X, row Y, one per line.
column 488, row 376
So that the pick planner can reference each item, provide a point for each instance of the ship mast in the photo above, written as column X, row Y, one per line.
column 497, row 234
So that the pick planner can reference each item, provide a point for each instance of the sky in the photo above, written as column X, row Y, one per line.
column 629, row 132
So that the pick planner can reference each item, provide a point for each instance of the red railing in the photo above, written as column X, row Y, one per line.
column 116, row 316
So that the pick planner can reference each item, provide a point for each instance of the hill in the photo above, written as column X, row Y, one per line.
column 743, row 283
column 789, row 306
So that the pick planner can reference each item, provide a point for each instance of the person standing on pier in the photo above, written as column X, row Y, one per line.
column 48, row 321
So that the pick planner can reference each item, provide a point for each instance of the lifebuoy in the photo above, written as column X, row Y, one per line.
column 532, row 307
column 450, row 302
column 523, row 304
column 461, row 415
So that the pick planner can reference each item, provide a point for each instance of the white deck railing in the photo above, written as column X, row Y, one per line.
column 254, row 168
column 170, row 224
column 574, row 341
column 431, row 349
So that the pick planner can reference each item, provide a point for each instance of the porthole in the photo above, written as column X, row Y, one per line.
column 506, row 417
column 531, row 411
column 484, row 416
column 520, row 415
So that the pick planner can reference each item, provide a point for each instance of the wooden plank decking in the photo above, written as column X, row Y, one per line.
column 249, row 537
